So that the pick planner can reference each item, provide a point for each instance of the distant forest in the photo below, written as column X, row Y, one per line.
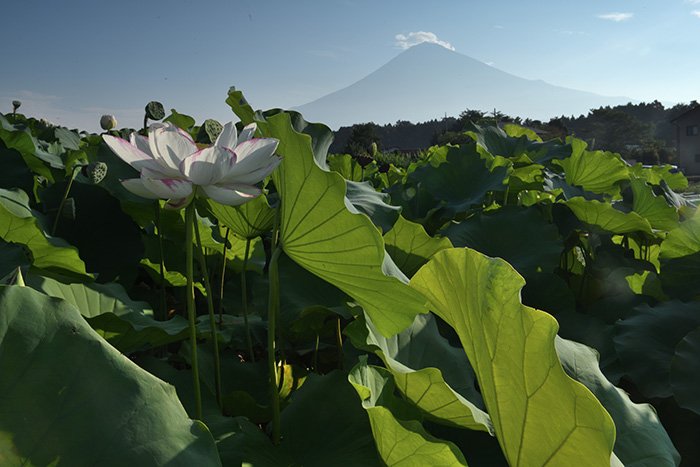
column 643, row 132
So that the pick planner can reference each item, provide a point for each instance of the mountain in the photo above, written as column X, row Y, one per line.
column 428, row 81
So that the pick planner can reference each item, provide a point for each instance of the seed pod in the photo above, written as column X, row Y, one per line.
column 209, row 131
column 16, row 105
column 154, row 110
column 95, row 172
column 107, row 122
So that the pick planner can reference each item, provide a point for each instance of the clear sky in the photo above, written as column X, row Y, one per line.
column 71, row 61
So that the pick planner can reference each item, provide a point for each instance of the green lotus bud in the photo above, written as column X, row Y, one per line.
column 373, row 149
column 107, row 122
column 154, row 110
column 95, row 172
column 68, row 211
column 209, row 131
column 16, row 105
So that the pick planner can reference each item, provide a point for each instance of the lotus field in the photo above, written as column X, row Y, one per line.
column 233, row 294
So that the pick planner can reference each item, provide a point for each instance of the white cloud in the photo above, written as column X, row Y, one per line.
column 617, row 17
column 693, row 2
column 414, row 38
column 695, row 13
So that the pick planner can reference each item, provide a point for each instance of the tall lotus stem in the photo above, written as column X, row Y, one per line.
column 210, row 309
column 189, row 223
column 244, row 300
column 163, row 302
column 273, row 309
column 63, row 201
column 223, row 277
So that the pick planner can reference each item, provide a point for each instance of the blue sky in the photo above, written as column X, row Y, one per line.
column 71, row 61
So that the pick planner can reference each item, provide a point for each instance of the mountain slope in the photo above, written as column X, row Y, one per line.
column 427, row 81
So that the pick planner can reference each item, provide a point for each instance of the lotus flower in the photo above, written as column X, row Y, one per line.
column 172, row 167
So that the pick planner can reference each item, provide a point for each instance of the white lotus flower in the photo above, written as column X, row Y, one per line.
column 172, row 166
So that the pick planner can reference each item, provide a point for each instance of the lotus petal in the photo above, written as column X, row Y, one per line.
column 205, row 166
column 136, row 186
column 171, row 145
column 165, row 188
column 232, row 195
column 255, row 160
column 247, row 133
column 130, row 154
column 227, row 138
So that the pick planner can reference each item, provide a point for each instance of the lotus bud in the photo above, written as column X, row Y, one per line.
column 209, row 131
column 95, row 172
column 373, row 149
column 68, row 211
column 107, row 122
column 155, row 110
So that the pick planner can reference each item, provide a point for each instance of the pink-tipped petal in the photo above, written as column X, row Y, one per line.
column 227, row 138
column 206, row 166
column 232, row 195
column 255, row 160
column 178, row 203
column 247, row 133
column 129, row 153
column 165, row 188
column 136, row 186
column 170, row 145
column 140, row 142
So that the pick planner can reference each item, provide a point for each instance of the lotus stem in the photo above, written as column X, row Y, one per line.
column 273, row 309
column 244, row 300
column 163, row 301
column 339, row 342
column 189, row 222
column 63, row 202
column 210, row 310
column 223, row 276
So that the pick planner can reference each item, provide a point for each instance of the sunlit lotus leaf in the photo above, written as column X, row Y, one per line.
column 540, row 415
column 428, row 371
column 653, row 208
column 95, row 406
column 596, row 171
column 410, row 246
column 322, row 232
column 399, row 441
column 604, row 217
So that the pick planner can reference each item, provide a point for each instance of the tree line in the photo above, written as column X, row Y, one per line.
column 642, row 132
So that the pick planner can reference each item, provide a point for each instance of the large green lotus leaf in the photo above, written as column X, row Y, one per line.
column 540, row 415
column 685, row 371
column 18, row 224
column 347, row 166
column 462, row 181
column 365, row 199
column 126, row 324
column 655, row 174
column 606, row 218
column 248, row 220
column 70, row 398
column 399, row 441
column 515, row 141
column 428, row 371
column 646, row 343
column 180, row 120
column 23, row 143
column 521, row 236
column 410, row 246
column 680, row 260
column 322, row 232
column 641, row 440
column 12, row 256
column 596, row 171
column 653, row 208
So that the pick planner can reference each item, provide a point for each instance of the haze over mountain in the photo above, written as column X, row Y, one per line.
column 428, row 81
